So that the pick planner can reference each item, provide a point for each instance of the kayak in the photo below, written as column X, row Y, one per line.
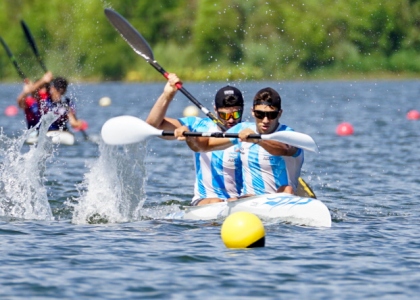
column 279, row 206
column 57, row 137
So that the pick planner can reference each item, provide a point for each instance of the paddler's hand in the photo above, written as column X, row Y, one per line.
column 48, row 77
column 79, row 125
column 170, row 87
column 243, row 136
column 179, row 133
column 28, row 86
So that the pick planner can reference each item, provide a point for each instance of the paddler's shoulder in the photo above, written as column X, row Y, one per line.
column 283, row 127
column 189, row 120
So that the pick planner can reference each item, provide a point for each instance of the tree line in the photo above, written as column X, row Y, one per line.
column 216, row 39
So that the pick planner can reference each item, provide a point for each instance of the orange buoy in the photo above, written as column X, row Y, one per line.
column 344, row 129
column 11, row 111
column 413, row 115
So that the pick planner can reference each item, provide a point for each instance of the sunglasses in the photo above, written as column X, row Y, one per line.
column 227, row 115
column 271, row 115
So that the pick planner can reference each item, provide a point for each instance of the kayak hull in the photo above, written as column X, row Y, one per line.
column 57, row 137
column 280, row 206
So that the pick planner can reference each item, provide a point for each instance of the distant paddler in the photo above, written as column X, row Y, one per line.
column 55, row 100
column 48, row 95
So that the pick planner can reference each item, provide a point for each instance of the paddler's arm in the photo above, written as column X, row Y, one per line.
column 30, row 88
column 204, row 144
column 201, row 144
column 26, row 91
column 273, row 147
column 157, row 114
column 74, row 122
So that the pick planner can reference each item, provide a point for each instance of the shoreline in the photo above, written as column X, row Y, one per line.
column 139, row 77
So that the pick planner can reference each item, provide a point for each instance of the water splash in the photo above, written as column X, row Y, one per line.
column 113, row 190
column 22, row 191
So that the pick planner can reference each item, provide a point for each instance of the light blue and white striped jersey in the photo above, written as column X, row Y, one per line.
column 264, row 173
column 218, row 173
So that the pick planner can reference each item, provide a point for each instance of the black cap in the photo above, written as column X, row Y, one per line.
column 228, row 96
column 268, row 96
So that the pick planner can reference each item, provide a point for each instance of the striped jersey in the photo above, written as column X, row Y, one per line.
column 262, row 172
column 218, row 173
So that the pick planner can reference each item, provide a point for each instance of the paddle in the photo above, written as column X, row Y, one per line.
column 142, row 48
column 32, row 43
column 128, row 130
column 12, row 57
column 34, row 47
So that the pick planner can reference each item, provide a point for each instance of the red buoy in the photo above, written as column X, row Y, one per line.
column 344, row 129
column 11, row 111
column 413, row 115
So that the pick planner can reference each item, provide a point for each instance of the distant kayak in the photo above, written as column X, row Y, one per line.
column 58, row 137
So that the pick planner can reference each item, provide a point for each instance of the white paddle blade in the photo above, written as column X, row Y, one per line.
column 125, row 130
column 293, row 138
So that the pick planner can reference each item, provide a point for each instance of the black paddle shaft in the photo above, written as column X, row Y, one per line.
column 31, row 42
column 211, row 134
column 12, row 57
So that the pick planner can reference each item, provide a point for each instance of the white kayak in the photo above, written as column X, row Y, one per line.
column 281, row 206
column 58, row 137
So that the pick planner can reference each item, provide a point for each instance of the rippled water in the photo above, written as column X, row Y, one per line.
column 106, row 238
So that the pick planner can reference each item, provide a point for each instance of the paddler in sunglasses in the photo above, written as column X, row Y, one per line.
column 218, row 173
column 267, row 166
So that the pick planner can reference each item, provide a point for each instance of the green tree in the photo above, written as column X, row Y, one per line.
column 218, row 31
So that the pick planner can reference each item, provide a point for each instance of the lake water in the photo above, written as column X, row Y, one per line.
column 86, row 221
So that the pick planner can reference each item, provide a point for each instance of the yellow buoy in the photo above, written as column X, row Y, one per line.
column 243, row 230
column 191, row 111
column 105, row 101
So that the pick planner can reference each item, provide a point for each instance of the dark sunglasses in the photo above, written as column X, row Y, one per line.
column 226, row 116
column 269, row 114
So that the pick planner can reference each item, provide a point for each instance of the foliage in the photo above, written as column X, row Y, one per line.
column 215, row 39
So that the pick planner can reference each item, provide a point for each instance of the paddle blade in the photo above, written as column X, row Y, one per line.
column 13, row 59
column 9, row 53
column 125, row 130
column 293, row 138
column 29, row 37
column 31, row 41
column 129, row 34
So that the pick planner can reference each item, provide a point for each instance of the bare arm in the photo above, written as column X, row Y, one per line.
column 21, row 99
column 157, row 114
column 273, row 147
column 30, row 88
column 203, row 144
column 74, row 122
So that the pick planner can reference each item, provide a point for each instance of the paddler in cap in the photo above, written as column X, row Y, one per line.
column 218, row 173
column 267, row 166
